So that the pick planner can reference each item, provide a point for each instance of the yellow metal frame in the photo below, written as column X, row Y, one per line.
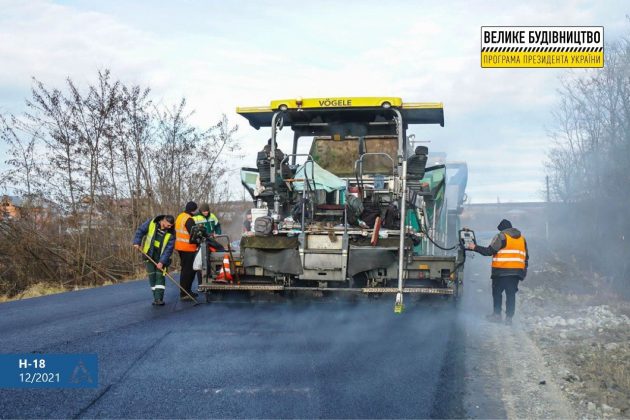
column 423, row 105
column 336, row 102
column 415, row 112
column 250, row 109
column 339, row 102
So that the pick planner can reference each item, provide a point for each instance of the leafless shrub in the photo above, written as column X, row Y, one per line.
column 589, row 167
column 88, row 166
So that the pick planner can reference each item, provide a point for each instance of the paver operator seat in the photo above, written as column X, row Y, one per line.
column 416, row 163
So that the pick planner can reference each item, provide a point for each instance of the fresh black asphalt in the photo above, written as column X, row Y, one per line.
column 301, row 359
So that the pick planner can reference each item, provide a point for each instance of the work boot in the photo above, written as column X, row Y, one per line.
column 154, row 302
column 185, row 297
column 508, row 320
column 159, row 302
column 494, row 317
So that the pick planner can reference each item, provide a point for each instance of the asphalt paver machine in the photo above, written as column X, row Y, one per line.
column 362, row 212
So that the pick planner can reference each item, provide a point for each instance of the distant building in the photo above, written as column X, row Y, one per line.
column 529, row 217
column 11, row 207
column 37, row 209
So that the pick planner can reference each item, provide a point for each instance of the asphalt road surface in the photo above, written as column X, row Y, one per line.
column 321, row 359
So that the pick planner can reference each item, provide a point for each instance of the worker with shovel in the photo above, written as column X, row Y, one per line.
column 158, row 245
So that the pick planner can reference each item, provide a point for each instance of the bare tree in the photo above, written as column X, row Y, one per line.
column 208, row 177
column 24, row 173
column 589, row 163
column 49, row 110
column 105, row 158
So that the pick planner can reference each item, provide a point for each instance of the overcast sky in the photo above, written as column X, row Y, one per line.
column 223, row 54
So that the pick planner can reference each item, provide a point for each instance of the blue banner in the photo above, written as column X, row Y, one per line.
column 35, row 370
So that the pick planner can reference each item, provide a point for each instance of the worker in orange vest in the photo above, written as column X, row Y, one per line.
column 187, row 250
column 509, row 266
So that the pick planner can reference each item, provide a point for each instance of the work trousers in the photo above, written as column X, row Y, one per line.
column 156, row 280
column 199, row 278
column 187, row 275
column 199, row 272
column 509, row 284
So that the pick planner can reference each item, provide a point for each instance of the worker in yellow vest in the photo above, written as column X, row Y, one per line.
column 187, row 250
column 509, row 266
column 208, row 220
column 156, row 239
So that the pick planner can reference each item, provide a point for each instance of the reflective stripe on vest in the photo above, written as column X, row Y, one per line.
column 210, row 222
column 182, row 237
column 512, row 256
column 200, row 220
column 149, row 239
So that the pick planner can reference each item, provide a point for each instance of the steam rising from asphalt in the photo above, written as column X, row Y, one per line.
column 566, row 254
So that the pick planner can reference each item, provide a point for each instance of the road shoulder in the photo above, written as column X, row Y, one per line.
column 507, row 374
column 586, row 342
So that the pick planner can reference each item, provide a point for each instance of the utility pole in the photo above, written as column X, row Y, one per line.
column 547, row 182
column 547, row 209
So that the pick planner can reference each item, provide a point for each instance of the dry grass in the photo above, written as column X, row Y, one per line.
column 599, row 357
column 605, row 374
column 44, row 289
column 36, row 290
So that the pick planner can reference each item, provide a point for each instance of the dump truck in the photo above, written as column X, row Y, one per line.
column 361, row 212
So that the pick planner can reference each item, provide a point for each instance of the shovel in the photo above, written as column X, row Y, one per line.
column 171, row 278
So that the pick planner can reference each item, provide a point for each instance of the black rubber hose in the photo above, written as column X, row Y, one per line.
column 438, row 245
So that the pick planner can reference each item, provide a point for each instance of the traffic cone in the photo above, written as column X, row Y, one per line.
column 225, row 274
